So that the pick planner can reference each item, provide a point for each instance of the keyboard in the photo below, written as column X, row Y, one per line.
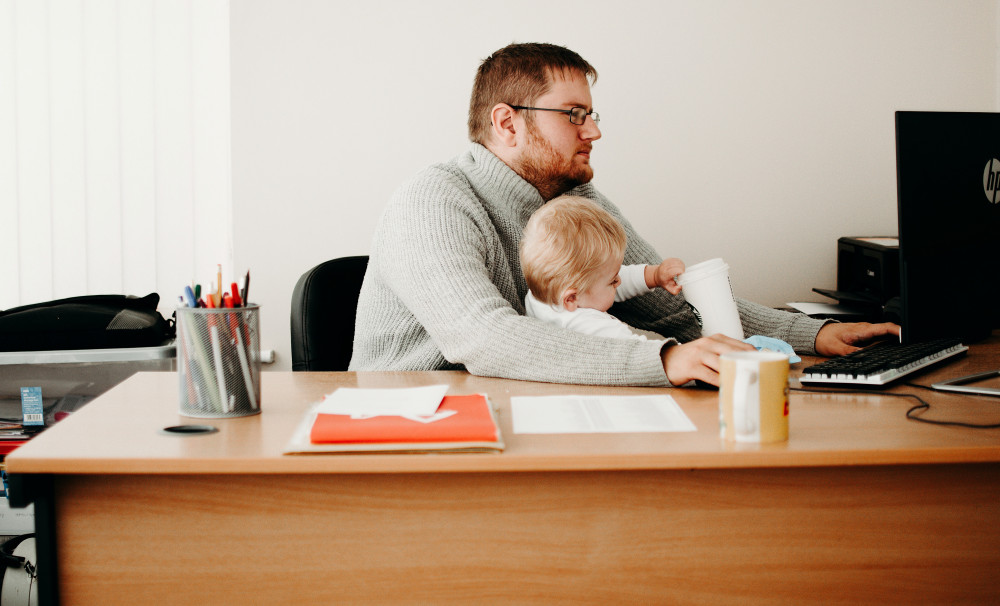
column 882, row 362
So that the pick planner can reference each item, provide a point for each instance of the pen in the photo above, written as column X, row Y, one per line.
column 219, row 368
column 199, row 365
column 245, row 367
column 218, row 288
column 246, row 289
column 237, row 300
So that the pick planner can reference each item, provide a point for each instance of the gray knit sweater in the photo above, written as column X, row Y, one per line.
column 444, row 289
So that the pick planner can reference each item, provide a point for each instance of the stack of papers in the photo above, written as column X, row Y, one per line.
column 420, row 419
column 424, row 419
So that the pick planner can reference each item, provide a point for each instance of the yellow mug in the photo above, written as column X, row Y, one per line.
column 753, row 397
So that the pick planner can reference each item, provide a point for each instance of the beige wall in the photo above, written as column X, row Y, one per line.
column 759, row 132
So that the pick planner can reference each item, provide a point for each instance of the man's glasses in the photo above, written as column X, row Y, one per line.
column 577, row 115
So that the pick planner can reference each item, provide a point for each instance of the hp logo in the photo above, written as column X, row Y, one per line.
column 991, row 180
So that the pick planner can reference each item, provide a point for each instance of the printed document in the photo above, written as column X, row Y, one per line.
column 598, row 414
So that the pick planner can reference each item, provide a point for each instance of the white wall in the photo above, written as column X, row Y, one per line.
column 755, row 131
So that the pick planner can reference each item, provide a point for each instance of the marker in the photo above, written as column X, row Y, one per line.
column 237, row 299
column 189, row 297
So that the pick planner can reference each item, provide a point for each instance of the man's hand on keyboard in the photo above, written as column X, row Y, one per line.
column 838, row 339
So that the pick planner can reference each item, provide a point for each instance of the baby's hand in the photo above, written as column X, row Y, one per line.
column 666, row 275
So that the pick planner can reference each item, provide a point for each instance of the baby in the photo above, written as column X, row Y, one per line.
column 571, row 255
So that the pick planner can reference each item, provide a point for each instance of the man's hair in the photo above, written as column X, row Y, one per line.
column 565, row 243
column 518, row 74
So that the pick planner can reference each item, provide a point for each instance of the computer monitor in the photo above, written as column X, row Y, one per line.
column 948, row 188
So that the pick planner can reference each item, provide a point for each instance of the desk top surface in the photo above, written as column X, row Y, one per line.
column 121, row 431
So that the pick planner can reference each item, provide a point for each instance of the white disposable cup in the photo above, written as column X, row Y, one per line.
column 709, row 293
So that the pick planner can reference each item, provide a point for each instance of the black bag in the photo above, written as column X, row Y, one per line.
column 89, row 322
column 18, row 570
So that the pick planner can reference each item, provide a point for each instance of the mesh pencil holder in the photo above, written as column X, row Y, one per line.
column 218, row 361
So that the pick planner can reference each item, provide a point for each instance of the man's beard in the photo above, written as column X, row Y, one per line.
column 551, row 175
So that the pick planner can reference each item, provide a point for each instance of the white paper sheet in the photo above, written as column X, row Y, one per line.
column 831, row 309
column 598, row 414
column 410, row 401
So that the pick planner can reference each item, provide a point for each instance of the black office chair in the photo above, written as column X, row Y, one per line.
column 324, row 305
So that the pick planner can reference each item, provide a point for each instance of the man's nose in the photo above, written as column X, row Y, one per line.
column 590, row 131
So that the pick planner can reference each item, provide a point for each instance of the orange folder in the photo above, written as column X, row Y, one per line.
column 472, row 423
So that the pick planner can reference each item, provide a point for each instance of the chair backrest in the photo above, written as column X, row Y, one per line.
column 324, row 305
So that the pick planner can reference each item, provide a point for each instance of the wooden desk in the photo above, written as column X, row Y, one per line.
column 861, row 505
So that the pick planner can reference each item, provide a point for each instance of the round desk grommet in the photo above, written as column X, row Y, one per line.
column 189, row 430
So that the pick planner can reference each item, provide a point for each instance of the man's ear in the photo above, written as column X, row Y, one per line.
column 502, row 118
column 569, row 300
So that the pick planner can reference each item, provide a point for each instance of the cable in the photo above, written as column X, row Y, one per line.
column 911, row 414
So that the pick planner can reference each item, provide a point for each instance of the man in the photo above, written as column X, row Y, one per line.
column 444, row 288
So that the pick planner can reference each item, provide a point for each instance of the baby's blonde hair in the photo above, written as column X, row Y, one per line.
column 564, row 245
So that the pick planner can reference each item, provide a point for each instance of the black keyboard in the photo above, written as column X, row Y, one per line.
column 882, row 362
